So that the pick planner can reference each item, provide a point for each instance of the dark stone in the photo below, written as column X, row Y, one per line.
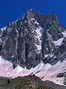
column 60, row 75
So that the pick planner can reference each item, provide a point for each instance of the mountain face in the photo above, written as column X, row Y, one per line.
column 30, row 43
column 32, row 39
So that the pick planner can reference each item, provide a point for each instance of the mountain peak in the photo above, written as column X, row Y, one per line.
column 32, row 42
column 35, row 33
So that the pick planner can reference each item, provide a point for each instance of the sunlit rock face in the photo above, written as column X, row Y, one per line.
column 34, row 45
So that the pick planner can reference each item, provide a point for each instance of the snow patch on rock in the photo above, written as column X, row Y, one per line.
column 64, row 33
column 58, row 42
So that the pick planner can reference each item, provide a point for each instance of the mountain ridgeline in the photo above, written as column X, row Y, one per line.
column 28, row 82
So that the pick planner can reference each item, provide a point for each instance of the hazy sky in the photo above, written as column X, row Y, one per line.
column 10, row 10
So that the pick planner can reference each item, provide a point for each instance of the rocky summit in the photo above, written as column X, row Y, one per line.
column 33, row 41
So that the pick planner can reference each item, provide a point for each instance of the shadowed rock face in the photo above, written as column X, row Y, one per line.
column 28, row 82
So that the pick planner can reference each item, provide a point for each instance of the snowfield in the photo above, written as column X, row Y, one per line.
column 43, row 71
